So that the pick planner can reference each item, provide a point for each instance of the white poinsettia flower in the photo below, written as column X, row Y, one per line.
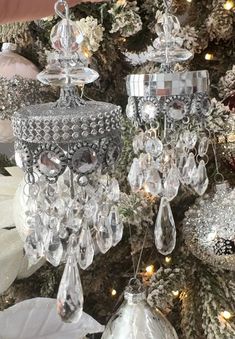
column 13, row 263
column 37, row 318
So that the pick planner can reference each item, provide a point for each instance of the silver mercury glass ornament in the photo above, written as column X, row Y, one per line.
column 66, row 149
column 135, row 319
column 208, row 227
column 171, row 110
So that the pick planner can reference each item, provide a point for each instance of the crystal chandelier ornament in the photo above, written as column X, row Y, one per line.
column 208, row 227
column 135, row 319
column 66, row 149
column 170, row 111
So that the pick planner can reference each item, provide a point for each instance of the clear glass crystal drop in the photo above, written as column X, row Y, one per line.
column 188, row 169
column 201, row 180
column 58, row 207
column 131, row 108
column 165, row 231
column 53, row 248
column 32, row 205
column 70, row 295
column 171, row 184
column 104, row 236
column 138, row 143
column 113, row 190
column 66, row 36
column 116, row 225
column 154, row 147
column 85, row 248
column 153, row 182
column 189, row 139
column 203, row 146
column 31, row 246
column 135, row 176
column 49, row 164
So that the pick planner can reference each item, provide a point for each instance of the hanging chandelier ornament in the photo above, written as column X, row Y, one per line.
column 66, row 149
column 170, row 111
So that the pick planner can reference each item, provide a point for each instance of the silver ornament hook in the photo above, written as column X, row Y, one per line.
column 62, row 9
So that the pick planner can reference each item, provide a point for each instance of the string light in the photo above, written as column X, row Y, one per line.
column 226, row 315
column 229, row 5
column 150, row 270
column 209, row 56
column 113, row 292
column 189, row 0
column 168, row 259
column 175, row 293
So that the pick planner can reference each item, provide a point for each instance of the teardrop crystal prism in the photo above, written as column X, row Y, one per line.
column 116, row 224
column 189, row 138
column 201, row 180
column 135, row 176
column 165, row 231
column 53, row 248
column 85, row 249
column 188, row 169
column 104, row 237
column 70, row 294
column 154, row 147
column 113, row 190
column 138, row 143
column 203, row 146
column 153, row 182
column 171, row 184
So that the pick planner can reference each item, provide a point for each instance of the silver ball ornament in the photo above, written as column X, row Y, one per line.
column 209, row 228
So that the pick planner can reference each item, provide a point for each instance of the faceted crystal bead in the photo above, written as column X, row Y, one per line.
column 58, row 207
column 165, row 231
column 66, row 36
column 153, row 182
column 154, row 147
column 135, row 176
column 85, row 248
column 189, row 139
column 53, row 248
column 84, row 160
column 148, row 111
column 70, row 295
column 177, row 110
column 203, row 146
column 201, row 180
column 32, row 205
column 21, row 158
column 116, row 225
column 171, row 184
column 104, row 237
column 188, row 169
column 49, row 164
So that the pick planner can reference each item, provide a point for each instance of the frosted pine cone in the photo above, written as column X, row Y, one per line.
column 220, row 24
column 227, row 83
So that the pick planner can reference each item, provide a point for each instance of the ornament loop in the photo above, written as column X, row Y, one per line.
column 62, row 9
column 219, row 178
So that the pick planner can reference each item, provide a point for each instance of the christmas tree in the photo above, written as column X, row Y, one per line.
column 192, row 286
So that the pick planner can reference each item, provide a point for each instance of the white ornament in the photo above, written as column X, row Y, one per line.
column 37, row 319
column 13, row 263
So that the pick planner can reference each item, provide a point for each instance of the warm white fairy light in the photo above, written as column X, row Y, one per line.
column 113, row 292
column 209, row 56
column 168, row 260
column 175, row 293
column 226, row 315
column 150, row 270
column 229, row 5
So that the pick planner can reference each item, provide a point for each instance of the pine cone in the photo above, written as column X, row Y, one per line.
column 220, row 24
